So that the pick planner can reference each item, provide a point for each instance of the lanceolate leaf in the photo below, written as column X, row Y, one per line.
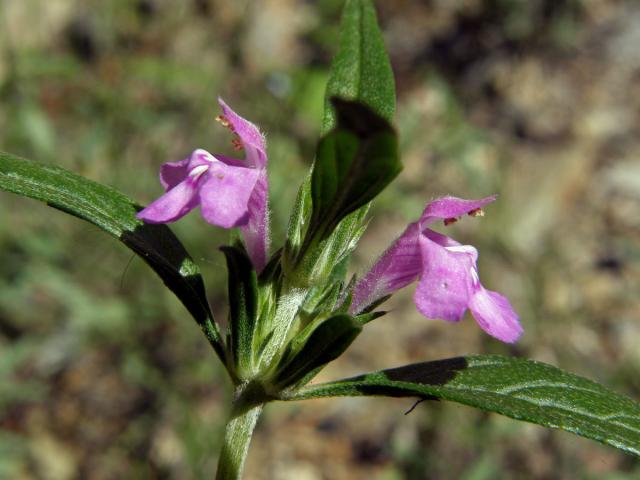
column 360, row 72
column 320, row 346
column 518, row 388
column 361, row 69
column 297, row 223
column 357, row 156
column 243, row 309
column 114, row 213
column 354, row 163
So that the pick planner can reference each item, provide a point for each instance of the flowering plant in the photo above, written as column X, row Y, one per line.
column 293, row 310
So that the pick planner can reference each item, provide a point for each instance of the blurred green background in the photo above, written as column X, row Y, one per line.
column 102, row 373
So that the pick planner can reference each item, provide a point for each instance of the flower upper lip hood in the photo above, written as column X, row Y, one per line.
column 230, row 192
column 449, row 283
column 252, row 139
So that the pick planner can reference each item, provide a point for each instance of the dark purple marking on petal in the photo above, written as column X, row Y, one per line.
column 172, row 173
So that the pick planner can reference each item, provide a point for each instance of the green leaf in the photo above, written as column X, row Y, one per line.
column 315, row 347
column 361, row 69
column 365, row 318
column 298, row 223
column 114, row 213
column 243, row 309
column 518, row 388
column 327, row 260
column 360, row 72
column 354, row 163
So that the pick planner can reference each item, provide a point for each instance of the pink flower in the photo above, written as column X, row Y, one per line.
column 447, row 272
column 230, row 192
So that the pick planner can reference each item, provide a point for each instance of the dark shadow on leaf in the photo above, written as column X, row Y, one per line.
column 358, row 118
column 389, row 391
column 438, row 372
column 163, row 252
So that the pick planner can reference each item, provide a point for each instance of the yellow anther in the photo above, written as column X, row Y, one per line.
column 223, row 121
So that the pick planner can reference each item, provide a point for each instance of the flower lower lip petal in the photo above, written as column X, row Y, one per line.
column 174, row 204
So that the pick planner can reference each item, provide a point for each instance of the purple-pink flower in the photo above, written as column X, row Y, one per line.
column 447, row 272
column 230, row 192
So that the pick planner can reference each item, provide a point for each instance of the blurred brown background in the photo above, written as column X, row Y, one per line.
column 102, row 373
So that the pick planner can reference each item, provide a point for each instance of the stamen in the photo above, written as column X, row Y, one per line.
column 476, row 212
column 449, row 221
column 237, row 144
column 224, row 121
